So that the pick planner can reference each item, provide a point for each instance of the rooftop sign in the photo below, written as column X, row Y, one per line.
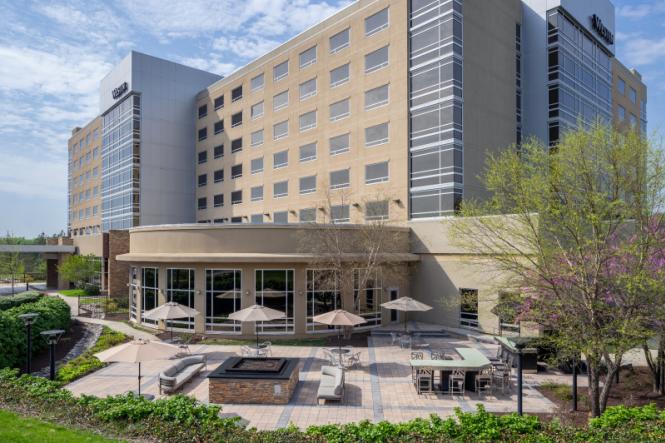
column 602, row 30
column 117, row 92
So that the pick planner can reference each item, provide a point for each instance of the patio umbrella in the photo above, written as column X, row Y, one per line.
column 256, row 313
column 169, row 311
column 138, row 351
column 406, row 304
column 339, row 317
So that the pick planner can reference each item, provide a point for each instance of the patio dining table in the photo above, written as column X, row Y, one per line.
column 472, row 361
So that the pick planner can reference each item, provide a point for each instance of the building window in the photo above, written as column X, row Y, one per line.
column 257, row 82
column 308, row 57
column 256, row 193
column 376, row 59
column 376, row 173
column 203, row 180
column 256, row 165
column 307, row 121
column 180, row 289
column 340, row 144
column 633, row 120
column 307, row 152
column 621, row 86
column 203, row 111
column 340, row 179
column 256, row 219
column 203, row 157
column 280, row 189
column 307, row 215
column 236, row 119
column 280, row 217
column 339, row 110
column 149, row 292
column 339, row 75
column 218, row 200
column 236, row 93
column 219, row 102
column 223, row 297
column 219, row 151
column 280, row 100
column 280, row 159
column 339, row 214
column 376, row 22
column 468, row 307
column 632, row 94
column 203, row 134
column 202, row 203
column 236, row 145
column 376, row 135
column 376, row 210
column 236, row 220
column 257, row 110
column 218, row 176
column 236, row 171
column 376, row 97
column 307, row 184
column 219, row 126
column 621, row 113
column 280, row 130
column 307, row 89
column 367, row 295
column 257, row 137
column 280, row 71
column 339, row 41
column 236, row 197
column 275, row 289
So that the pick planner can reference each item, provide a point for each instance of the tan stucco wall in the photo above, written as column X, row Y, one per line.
column 74, row 172
column 90, row 244
column 633, row 79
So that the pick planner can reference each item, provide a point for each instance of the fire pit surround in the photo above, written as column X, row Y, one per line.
column 253, row 380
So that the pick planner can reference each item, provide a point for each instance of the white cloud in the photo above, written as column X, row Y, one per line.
column 245, row 47
column 641, row 10
column 210, row 64
column 644, row 51
column 32, row 177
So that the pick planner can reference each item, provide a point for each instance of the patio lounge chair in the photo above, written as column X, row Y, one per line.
column 331, row 386
column 172, row 378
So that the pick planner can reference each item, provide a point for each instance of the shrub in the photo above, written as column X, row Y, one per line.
column 90, row 289
column 53, row 314
column 13, row 301
column 87, row 362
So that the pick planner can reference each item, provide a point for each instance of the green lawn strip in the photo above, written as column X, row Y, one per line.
column 72, row 292
column 15, row 428
column 87, row 362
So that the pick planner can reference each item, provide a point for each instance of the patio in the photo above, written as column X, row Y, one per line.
column 379, row 389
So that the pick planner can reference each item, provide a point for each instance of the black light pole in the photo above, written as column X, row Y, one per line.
column 28, row 320
column 519, row 345
column 575, row 383
column 52, row 336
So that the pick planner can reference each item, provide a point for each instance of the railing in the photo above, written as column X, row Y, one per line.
column 469, row 319
column 509, row 329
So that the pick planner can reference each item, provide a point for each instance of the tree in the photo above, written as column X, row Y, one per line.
column 79, row 269
column 11, row 262
column 579, row 238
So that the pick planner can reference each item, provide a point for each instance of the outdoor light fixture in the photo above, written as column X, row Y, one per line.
column 52, row 336
column 520, row 344
column 28, row 320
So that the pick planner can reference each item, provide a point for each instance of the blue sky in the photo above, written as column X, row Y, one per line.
column 53, row 54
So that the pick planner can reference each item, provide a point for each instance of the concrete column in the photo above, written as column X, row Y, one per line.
column 300, row 300
column 199, row 298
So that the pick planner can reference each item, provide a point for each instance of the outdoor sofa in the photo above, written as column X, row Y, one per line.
column 332, row 384
column 180, row 372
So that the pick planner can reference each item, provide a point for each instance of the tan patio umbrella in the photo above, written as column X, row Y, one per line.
column 406, row 304
column 169, row 311
column 138, row 351
column 339, row 317
column 256, row 313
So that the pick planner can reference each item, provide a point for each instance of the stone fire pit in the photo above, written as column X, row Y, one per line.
column 254, row 380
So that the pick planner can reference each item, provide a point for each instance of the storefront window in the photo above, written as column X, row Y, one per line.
column 150, row 287
column 323, row 296
column 368, row 296
column 274, row 289
column 223, row 295
column 180, row 289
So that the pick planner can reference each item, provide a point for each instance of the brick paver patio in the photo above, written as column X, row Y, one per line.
column 380, row 389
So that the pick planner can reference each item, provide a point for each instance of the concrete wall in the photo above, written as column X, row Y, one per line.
column 90, row 244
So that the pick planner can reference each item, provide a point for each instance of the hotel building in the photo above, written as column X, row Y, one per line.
column 385, row 111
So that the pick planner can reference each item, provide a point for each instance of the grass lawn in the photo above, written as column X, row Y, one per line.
column 18, row 429
column 72, row 292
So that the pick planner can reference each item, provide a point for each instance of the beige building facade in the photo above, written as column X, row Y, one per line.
column 629, row 98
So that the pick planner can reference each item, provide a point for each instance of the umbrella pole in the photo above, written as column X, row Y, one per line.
column 339, row 343
column 256, row 329
column 405, row 322
column 139, row 379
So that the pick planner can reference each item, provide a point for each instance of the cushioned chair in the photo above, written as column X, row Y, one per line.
column 172, row 378
column 331, row 386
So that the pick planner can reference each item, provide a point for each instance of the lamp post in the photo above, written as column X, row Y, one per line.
column 28, row 320
column 520, row 344
column 575, row 383
column 52, row 336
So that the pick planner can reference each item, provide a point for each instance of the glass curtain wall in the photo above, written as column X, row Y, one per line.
column 435, row 107
column 223, row 295
column 149, row 292
column 322, row 296
column 134, row 290
column 180, row 289
column 274, row 289
column 368, row 297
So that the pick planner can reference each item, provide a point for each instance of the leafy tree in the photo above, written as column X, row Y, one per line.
column 79, row 269
column 580, row 241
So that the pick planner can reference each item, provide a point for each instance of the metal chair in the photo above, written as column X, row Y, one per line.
column 393, row 338
column 424, row 380
column 264, row 349
column 484, row 380
column 436, row 355
column 405, row 341
column 501, row 375
column 245, row 351
column 416, row 355
column 330, row 356
column 353, row 360
column 456, row 382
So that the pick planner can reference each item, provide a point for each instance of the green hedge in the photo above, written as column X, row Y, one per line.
column 53, row 314
column 13, row 301
column 181, row 418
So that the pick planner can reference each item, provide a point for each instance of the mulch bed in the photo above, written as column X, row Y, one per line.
column 64, row 345
column 634, row 389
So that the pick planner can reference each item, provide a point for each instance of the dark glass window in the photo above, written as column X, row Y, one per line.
column 203, row 203
column 219, row 151
column 236, row 119
column 219, row 102
column 236, row 171
column 218, row 200
column 203, row 111
column 203, row 134
column 219, row 175
column 219, row 126
column 236, row 145
column 236, row 93
column 236, row 197
column 203, row 156
column 203, row 180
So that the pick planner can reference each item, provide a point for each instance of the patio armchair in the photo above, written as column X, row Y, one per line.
column 484, row 380
column 415, row 355
column 264, row 349
column 501, row 375
column 393, row 338
column 436, row 355
column 405, row 341
column 245, row 351
column 424, row 380
column 353, row 360
column 456, row 382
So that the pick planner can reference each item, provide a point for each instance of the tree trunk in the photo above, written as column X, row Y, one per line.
column 612, row 370
column 657, row 366
column 594, row 388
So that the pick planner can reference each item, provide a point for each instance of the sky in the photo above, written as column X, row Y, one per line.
column 53, row 55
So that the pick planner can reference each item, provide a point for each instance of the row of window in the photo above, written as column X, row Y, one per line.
column 88, row 230
column 373, row 24
column 339, row 144
column 374, row 98
column 84, row 159
column 621, row 115
column 84, row 213
column 84, row 178
column 85, row 141
column 339, row 179
column 621, row 88
column 84, row 195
